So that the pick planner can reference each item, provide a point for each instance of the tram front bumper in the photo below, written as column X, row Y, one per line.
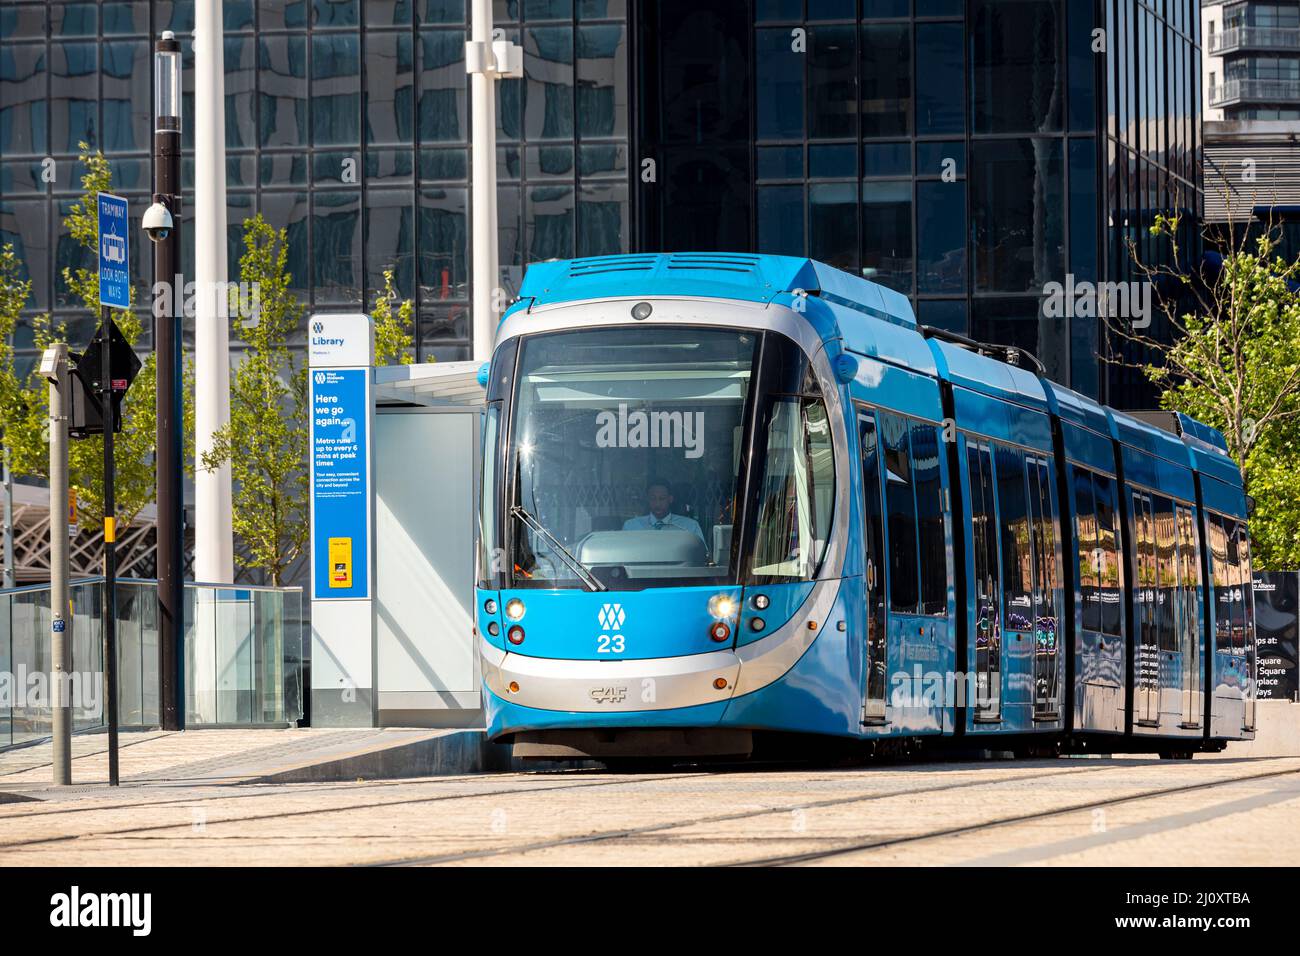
column 617, row 686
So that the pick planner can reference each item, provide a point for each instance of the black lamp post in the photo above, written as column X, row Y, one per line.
column 169, row 284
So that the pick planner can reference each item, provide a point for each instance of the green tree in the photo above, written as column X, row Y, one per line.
column 1233, row 362
column 134, row 486
column 15, row 291
column 265, row 442
column 22, row 417
column 393, row 339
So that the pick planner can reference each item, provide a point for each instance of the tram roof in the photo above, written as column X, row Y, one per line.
column 763, row 278
column 719, row 275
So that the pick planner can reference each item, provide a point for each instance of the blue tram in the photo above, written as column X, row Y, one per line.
column 731, row 502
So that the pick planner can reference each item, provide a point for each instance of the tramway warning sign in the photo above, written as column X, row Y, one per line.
column 114, row 253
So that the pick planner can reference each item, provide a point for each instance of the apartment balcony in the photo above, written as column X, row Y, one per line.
column 1247, row 38
column 1237, row 92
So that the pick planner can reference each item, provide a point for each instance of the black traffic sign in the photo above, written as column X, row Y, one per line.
column 87, row 376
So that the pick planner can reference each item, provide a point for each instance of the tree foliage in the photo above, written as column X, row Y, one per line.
column 25, row 400
column 393, row 339
column 15, row 290
column 1233, row 361
column 265, row 442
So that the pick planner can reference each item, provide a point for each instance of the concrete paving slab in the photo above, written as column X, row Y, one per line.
column 206, row 757
column 1120, row 812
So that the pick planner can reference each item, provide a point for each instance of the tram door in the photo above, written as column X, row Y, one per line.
column 1146, row 664
column 1042, row 534
column 1188, row 616
column 875, row 649
column 988, row 590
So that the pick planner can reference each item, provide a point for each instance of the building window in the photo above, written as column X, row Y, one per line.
column 1015, row 46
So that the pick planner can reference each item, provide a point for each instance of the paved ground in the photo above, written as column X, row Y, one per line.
column 196, row 756
column 180, row 803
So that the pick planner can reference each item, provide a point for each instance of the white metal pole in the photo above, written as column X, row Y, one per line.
column 483, row 169
column 213, row 542
column 55, row 368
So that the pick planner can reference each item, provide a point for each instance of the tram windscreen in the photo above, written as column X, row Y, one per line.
column 627, row 447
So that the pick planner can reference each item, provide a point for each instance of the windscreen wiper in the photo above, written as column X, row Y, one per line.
column 585, row 575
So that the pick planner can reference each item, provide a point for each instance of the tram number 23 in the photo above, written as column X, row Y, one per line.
column 610, row 644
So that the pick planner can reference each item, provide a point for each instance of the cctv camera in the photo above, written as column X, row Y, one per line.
column 157, row 222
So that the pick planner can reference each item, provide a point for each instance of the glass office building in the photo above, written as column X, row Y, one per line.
column 965, row 152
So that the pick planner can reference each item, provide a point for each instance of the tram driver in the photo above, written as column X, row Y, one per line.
column 659, row 499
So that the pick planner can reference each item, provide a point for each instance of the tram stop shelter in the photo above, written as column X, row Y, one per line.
column 394, row 476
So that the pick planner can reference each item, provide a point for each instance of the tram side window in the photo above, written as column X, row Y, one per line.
column 1085, row 529
column 1017, row 555
column 1166, row 581
column 1238, row 560
column 900, row 503
column 798, row 491
column 487, row 535
column 1189, row 578
column 1044, row 538
column 985, row 545
column 933, row 547
column 1111, row 605
column 1247, row 590
column 1222, row 570
column 1144, row 560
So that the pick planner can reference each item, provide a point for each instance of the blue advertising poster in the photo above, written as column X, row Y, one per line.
column 341, row 503
column 114, row 253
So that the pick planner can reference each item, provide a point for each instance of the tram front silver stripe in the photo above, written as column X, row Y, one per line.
column 657, row 683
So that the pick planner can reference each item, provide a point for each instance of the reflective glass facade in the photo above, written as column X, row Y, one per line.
column 346, row 123
column 965, row 152
column 1153, row 158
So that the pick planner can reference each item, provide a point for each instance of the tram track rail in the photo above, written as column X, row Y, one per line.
column 814, row 856
column 656, row 828
column 287, row 814
column 495, row 793
column 634, row 833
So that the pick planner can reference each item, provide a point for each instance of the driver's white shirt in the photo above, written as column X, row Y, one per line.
column 648, row 522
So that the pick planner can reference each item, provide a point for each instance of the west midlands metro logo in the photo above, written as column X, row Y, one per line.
column 611, row 616
column 317, row 337
column 320, row 378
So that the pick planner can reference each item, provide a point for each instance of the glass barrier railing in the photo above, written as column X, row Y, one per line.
column 243, row 657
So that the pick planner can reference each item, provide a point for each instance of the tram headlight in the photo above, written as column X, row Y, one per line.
column 515, row 609
column 641, row 311
column 494, row 628
column 722, row 607
column 720, row 631
column 515, row 635
column 490, row 606
column 761, row 601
